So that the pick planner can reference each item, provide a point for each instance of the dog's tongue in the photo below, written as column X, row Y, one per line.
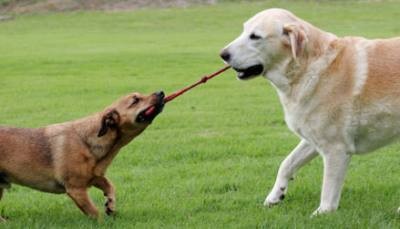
column 150, row 111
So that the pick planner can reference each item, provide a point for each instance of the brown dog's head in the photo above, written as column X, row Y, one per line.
column 128, row 114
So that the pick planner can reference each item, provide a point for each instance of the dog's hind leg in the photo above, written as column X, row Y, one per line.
column 109, row 192
column 302, row 154
column 83, row 201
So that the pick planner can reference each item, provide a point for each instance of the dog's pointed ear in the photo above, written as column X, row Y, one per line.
column 110, row 120
column 296, row 38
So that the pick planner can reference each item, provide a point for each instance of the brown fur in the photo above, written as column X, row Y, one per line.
column 73, row 156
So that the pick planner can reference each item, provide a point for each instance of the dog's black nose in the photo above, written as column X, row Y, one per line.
column 160, row 94
column 225, row 55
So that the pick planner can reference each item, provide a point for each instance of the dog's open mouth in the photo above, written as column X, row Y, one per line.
column 249, row 72
column 148, row 114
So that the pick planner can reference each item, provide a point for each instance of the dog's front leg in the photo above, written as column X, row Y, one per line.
column 109, row 192
column 302, row 154
column 83, row 201
column 335, row 167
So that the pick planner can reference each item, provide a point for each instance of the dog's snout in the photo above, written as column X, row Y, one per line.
column 225, row 55
column 160, row 94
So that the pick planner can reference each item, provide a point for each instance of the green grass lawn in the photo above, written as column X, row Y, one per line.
column 209, row 159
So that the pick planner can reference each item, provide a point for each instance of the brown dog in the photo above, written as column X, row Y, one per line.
column 71, row 157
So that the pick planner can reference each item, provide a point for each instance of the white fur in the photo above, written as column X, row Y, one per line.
column 361, row 73
column 329, row 123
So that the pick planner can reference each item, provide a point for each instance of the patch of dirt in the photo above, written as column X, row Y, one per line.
column 41, row 6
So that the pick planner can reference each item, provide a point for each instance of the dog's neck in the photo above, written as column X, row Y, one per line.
column 110, row 143
column 296, row 80
column 99, row 147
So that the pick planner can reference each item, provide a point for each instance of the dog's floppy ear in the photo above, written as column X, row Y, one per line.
column 109, row 121
column 296, row 38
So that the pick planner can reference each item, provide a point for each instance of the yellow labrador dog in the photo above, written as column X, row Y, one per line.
column 339, row 95
column 71, row 157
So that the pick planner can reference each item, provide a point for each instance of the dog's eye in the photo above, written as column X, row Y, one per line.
column 135, row 100
column 254, row 37
column 285, row 32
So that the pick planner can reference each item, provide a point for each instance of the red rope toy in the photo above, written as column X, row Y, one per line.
column 204, row 79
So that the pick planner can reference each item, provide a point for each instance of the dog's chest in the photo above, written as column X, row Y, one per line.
column 299, row 117
column 294, row 123
column 318, row 125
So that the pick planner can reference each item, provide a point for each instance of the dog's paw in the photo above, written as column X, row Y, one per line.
column 322, row 211
column 2, row 220
column 315, row 213
column 398, row 210
column 274, row 197
column 110, row 206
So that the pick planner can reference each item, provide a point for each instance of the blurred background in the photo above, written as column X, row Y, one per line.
column 29, row 6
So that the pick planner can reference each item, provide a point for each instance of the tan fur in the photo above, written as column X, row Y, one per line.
column 383, row 71
column 70, row 157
